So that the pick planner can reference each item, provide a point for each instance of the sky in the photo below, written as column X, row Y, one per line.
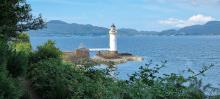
column 147, row 15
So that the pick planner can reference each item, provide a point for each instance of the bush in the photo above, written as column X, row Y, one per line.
column 46, row 51
column 18, row 55
column 9, row 87
column 3, row 55
column 17, row 63
column 24, row 47
column 53, row 80
column 23, row 37
column 166, row 86
column 23, row 43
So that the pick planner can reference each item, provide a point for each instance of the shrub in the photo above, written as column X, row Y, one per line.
column 3, row 55
column 17, row 63
column 23, row 37
column 53, row 80
column 46, row 51
column 16, row 58
column 9, row 87
column 18, row 55
column 23, row 43
column 166, row 86
column 24, row 47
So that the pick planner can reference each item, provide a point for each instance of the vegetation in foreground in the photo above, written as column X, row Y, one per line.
column 50, row 77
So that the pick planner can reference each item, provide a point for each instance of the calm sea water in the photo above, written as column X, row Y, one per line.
column 181, row 52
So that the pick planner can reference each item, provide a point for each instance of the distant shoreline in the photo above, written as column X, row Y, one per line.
column 124, row 35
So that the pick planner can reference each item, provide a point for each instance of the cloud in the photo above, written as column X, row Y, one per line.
column 195, row 2
column 193, row 20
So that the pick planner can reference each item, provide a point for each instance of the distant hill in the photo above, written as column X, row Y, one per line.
column 60, row 28
column 56, row 27
column 210, row 28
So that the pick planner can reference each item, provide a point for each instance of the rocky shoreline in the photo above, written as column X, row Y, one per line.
column 120, row 59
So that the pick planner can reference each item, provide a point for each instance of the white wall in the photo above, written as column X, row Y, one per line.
column 113, row 42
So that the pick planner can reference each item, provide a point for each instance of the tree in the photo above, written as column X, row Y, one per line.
column 46, row 51
column 23, row 37
column 9, row 87
column 16, row 17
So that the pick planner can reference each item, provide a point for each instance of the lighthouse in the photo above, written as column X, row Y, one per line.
column 106, row 55
column 113, row 40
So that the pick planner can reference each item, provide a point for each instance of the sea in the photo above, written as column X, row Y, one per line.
column 180, row 52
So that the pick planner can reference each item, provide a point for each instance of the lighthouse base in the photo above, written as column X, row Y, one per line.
column 113, row 52
column 108, row 54
column 111, row 59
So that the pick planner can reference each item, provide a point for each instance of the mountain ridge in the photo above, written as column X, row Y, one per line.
column 61, row 28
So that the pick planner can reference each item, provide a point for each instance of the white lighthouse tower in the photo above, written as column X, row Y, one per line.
column 113, row 40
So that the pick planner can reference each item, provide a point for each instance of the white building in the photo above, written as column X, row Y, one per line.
column 113, row 39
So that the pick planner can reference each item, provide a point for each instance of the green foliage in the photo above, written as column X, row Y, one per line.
column 22, row 44
column 18, row 56
column 54, row 80
column 24, row 47
column 23, row 37
column 46, row 51
column 14, row 57
column 9, row 87
column 167, row 86
column 16, row 17
column 3, row 55
column 17, row 63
